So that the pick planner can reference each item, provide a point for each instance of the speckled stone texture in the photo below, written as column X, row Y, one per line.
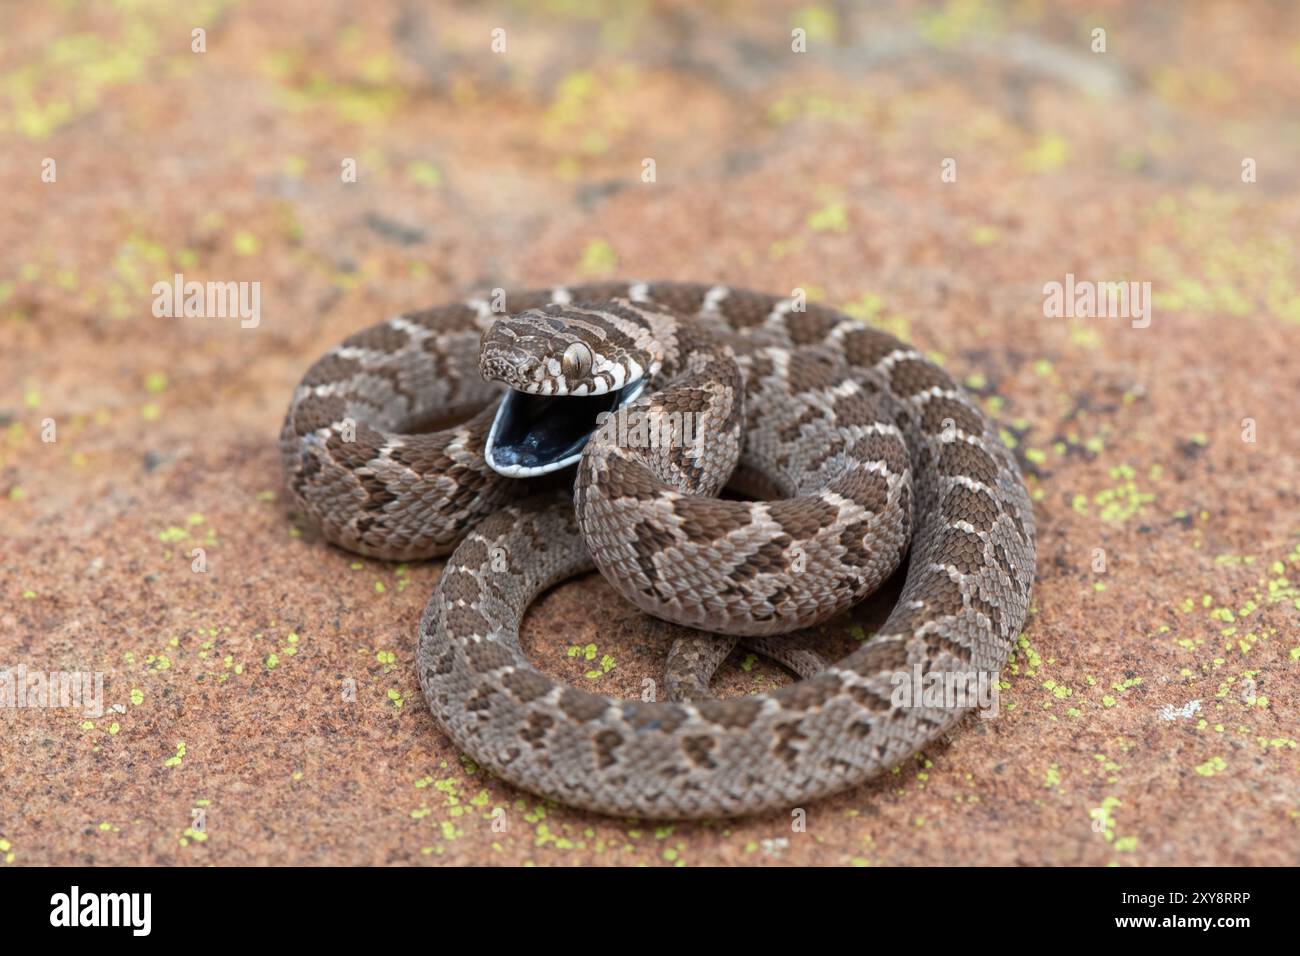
column 266, row 710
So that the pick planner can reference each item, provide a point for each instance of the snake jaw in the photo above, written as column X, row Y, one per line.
column 533, row 434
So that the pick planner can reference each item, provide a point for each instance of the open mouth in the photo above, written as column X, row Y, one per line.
column 536, row 434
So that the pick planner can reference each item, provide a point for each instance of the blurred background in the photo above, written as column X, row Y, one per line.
column 927, row 167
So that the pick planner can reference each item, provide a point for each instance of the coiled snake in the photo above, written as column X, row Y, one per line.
column 661, row 394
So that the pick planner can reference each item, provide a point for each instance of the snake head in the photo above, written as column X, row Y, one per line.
column 563, row 366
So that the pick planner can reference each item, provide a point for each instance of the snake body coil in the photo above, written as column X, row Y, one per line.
column 854, row 444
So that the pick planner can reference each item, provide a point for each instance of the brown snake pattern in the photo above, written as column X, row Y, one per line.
column 854, row 444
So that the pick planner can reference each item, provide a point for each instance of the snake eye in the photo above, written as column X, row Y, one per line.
column 576, row 362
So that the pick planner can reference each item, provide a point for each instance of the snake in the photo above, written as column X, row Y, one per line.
column 744, row 464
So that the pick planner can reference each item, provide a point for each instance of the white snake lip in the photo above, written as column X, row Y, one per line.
column 537, row 434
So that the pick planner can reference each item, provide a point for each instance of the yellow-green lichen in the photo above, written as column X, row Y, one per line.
column 1212, row 767
column 178, row 758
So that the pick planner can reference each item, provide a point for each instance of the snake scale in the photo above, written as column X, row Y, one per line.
column 850, row 451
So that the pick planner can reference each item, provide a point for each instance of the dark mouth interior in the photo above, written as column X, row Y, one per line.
column 533, row 431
